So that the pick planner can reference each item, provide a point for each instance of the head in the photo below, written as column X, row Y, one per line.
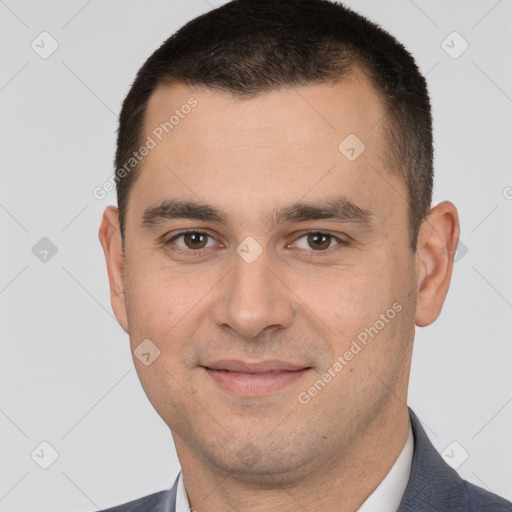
column 292, row 140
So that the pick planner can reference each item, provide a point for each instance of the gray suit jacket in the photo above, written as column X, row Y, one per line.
column 433, row 487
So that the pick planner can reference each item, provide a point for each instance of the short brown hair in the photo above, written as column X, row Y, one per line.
column 249, row 47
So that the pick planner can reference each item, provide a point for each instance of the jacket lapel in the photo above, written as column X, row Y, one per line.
column 170, row 499
column 433, row 485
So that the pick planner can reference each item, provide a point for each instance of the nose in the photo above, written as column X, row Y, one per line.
column 253, row 298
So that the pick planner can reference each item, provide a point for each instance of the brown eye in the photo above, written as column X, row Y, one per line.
column 190, row 243
column 319, row 241
column 195, row 240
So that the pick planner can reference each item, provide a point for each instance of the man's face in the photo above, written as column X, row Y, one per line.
column 300, row 290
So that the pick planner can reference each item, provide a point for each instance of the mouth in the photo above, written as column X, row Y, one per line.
column 254, row 379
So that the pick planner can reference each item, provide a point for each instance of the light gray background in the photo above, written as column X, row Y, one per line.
column 67, row 376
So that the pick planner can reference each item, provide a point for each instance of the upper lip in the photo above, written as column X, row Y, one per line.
column 233, row 365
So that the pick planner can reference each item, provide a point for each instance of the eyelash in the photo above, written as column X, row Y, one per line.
column 199, row 252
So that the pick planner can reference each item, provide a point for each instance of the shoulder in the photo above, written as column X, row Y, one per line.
column 161, row 501
column 481, row 500
column 434, row 486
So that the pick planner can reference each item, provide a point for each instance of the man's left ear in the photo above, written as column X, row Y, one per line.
column 437, row 244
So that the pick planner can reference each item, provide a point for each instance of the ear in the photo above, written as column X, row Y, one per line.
column 437, row 245
column 110, row 239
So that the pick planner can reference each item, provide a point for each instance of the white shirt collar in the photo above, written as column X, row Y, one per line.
column 182, row 503
column 387, row 496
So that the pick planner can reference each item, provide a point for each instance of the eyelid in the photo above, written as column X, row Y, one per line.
column 320, row 232
column 167, row 241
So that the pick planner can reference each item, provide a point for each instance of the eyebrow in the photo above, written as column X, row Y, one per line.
column 337, row 208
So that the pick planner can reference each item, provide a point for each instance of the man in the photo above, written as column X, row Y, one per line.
column 273, row 249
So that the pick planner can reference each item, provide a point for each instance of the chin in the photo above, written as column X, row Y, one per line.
column 263, row 464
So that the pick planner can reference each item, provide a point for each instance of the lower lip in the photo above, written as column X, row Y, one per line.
column 254, row 384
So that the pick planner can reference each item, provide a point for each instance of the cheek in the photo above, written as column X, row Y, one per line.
column 359, row 311
column 167, row 307
column 349, row 299
column 151, row 308
column 157, row 295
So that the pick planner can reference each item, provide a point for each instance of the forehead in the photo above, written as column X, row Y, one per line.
column 273, row 147
column 311, row 114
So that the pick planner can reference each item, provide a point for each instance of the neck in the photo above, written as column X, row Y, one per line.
column 342, row 485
